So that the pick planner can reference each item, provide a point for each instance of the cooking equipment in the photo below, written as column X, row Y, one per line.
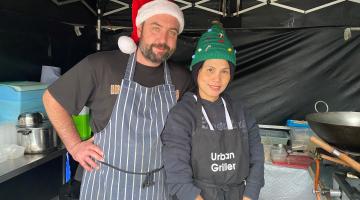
column 36, row 134
column 340, row 129
column 342, row 156
column 30, row 119
column 348, row 186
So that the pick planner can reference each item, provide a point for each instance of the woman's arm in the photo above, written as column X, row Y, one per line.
column 255, row 180
column 176, row 138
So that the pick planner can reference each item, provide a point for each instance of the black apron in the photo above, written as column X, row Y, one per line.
column 220, row 159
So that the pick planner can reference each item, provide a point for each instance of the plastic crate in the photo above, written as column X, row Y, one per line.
column 273, row 136
column 300, row 138
column 300, row 133
column 19, row 97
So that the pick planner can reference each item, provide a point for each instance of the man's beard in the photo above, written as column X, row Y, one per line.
column 149, row 54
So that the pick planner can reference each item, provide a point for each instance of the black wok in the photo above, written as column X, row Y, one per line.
column 340, row 129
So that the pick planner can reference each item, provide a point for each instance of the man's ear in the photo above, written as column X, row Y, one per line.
column 139, row 29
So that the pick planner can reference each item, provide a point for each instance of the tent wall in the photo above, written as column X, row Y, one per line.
column 75, row 13
column 282, row 69
column 281, row 73
column 27, row 43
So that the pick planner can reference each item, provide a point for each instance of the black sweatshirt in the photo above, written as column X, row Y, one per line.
column 176, row 137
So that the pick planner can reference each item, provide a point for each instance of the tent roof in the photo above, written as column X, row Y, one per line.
column 239, row 13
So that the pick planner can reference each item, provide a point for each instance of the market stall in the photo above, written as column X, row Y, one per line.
column 290, row 55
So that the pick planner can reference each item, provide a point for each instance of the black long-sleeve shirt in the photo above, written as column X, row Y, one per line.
column 176, row 137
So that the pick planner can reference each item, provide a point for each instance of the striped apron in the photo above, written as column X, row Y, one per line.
column 131, row 143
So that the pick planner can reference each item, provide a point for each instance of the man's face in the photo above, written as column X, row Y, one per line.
column 158, row 36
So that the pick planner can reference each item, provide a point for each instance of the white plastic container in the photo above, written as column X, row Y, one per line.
column 300, row 138
column 11, row 151
column 8, row 133
column 278, row 153
column 3, row 156
column 15, row 151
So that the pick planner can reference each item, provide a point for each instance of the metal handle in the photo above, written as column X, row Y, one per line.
column 315, row 106
column 24, row 131
column 351, row 162
column 331, row 192
column 335, row 160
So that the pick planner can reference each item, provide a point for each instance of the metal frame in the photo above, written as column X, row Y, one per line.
column 264, row 3
column 187, row 4
column 58, row 3
column 347, row 32
column 124, row 6
column 198, row 4
column 64, row 2
column 274, row 3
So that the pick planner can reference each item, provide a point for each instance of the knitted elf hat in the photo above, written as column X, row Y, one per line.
column 214, row 44
column 141, row 11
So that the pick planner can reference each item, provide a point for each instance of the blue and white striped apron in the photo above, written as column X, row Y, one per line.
column 131, row 142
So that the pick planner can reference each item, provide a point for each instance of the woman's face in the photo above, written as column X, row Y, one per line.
column 213, row 78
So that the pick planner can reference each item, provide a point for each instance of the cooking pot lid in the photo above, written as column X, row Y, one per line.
column 31, row 119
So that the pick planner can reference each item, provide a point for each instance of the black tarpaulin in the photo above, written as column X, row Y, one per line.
column 282, row 73
column 287, row 60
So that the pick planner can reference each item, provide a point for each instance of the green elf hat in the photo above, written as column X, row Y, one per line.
column 214, row 44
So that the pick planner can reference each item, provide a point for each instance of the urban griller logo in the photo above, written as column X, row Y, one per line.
column 224, row 166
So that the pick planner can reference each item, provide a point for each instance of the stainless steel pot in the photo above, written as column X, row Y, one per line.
column 36, row 134
column 30, row 119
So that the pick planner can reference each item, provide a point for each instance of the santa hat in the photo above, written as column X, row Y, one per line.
column 141, row 11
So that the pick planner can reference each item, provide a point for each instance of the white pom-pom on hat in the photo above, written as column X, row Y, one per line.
column 126, row 44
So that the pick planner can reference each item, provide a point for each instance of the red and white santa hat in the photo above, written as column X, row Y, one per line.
column 141, row 11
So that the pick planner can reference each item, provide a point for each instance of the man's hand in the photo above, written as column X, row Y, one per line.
column 246, row 198
column 85, row 152
column 198, row 197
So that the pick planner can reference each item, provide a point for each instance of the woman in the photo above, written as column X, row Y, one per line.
column 212, row 150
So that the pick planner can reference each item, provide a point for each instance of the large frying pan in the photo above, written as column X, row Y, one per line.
column 340, row 129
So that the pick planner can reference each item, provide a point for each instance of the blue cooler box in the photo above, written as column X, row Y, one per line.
column 19, row 97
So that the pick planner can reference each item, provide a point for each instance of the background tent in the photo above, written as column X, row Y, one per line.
column 291, row 53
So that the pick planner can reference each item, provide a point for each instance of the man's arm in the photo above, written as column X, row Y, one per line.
column 82, row 151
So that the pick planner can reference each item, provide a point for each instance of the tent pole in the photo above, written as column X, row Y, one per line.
column 98, row 28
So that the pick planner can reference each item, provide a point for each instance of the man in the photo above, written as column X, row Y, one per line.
column 129, row 98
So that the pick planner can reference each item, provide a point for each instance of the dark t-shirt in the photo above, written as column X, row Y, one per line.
column 95, row 82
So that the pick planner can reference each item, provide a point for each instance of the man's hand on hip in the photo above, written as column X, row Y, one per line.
column 85, row 152
column 246, row 198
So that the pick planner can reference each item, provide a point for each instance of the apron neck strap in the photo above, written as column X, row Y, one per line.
column 227, row 116
column 130, row 69
column 167, row 74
